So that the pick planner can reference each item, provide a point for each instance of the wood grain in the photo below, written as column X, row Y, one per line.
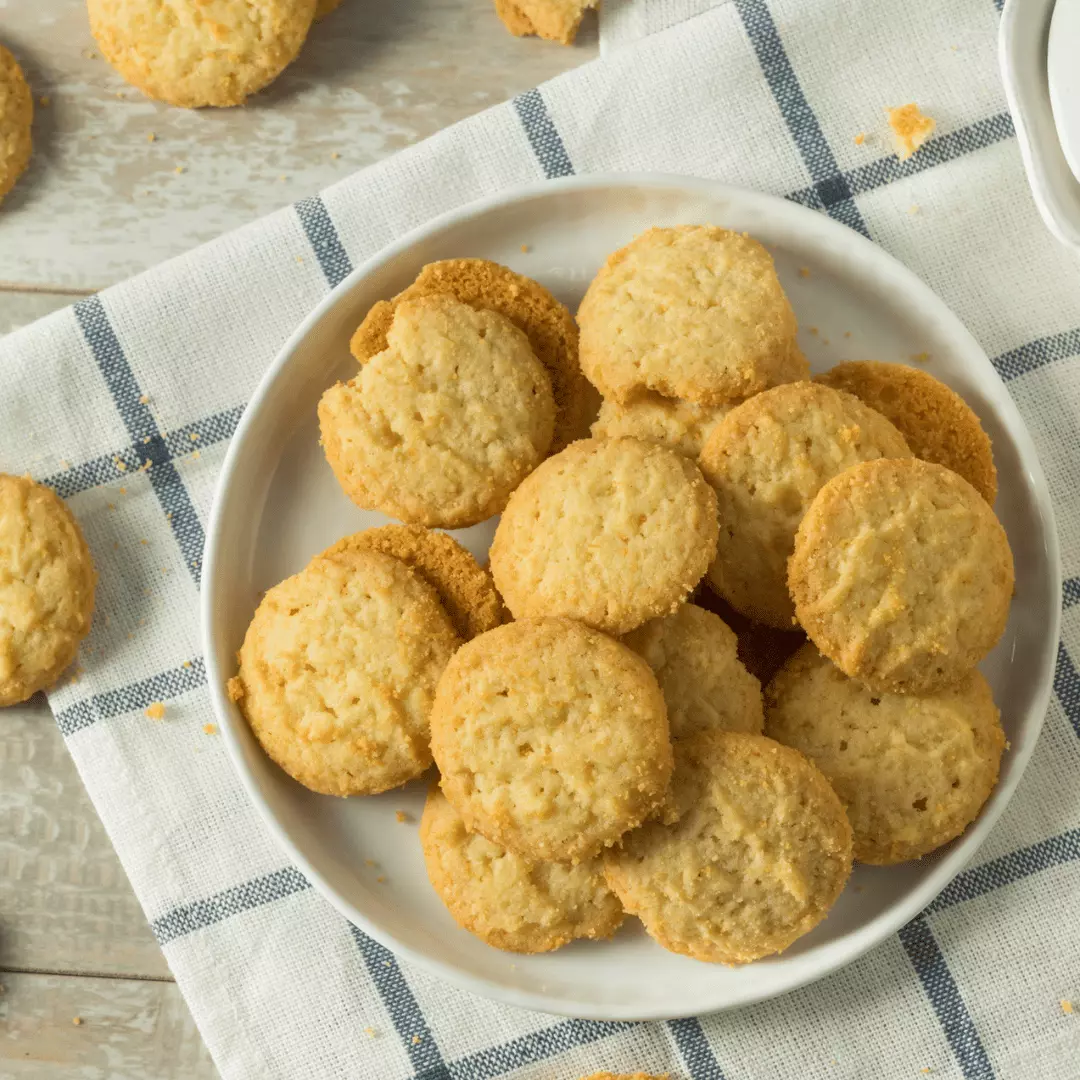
column 18, row 309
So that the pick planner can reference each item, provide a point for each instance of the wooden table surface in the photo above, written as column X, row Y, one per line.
column 118, row 183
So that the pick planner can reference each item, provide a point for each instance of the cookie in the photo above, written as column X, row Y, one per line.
column 902, row 575
column 463, row 586
column 692, row 312
column 912, row 772
column 442, row 425
column 758, row 854
column 694, row 658
column 551, row 738
column 338, row 671
column 767, row 460
column 555, row 20
column 612, row 532
column 47, row 582
column 679, row 425
column 936, row 422
column 507, row 900
column 16, row 118
column 195, row 53
column 549, row 326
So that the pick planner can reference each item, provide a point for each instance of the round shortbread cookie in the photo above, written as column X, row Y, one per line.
column 338, row 672
column 767, row 460
column 195, row 53
column 936, row 422
column 481, row 284
column 694, row 656
column 758, row 854
column 551, row 738
column 555, row 20
column 611, row 532
column 463, row 586
column 912, row 772
column 47, row 582
column 902, row 575
column 507, row 900
column 679, row 425
column 16, row 119
column 442, row 425
column 692, row 312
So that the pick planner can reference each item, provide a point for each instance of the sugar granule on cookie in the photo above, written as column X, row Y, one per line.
column 16, row 120
column 910, row 128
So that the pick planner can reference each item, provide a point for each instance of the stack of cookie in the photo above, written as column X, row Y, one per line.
column 610, row 749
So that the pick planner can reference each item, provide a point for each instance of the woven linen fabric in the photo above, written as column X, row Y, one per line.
column 767, row 94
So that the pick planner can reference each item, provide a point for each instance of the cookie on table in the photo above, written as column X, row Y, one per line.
column 196, row 53
column 551, row 738
column 902, row 575
column 679, row 425
column 766, row 461
column 555, row 20
column 338, row 671
column 759, row 852
column 912, row 772
column 612, row 532
column 507, row 900
column 936, row 422
column 441, row 426
column 47, row 582
column 463, row 586
column 694, row 657
column 692, row 312
column 16, row 118
column 481, row 284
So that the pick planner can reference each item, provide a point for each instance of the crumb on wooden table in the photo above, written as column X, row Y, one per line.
column 76, row 1020
column 151, row 137
column 179, row 169
column 156, row 711
column 911, row 128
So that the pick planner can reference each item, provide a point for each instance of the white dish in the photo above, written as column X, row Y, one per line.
column 1063, row 76
column 278, row 504
column 1022, row 50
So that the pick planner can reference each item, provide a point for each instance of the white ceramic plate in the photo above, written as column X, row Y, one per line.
column 278, row 504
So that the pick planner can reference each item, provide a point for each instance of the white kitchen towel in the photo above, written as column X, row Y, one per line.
column 768, row 94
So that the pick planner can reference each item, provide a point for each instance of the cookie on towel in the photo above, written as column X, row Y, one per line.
column 195, row 53
column 16, row 118
column 612, row 532
column 766, row 461
column 338, row 671
column 691, row 312
column 47, row 582
column 757, row 853
column 912, row 772
column 551, row 738
column 902, row 575
column 441, row 426
column 507, row 900
column 679, row 425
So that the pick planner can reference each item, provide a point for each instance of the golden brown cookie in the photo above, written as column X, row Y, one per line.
column 902, row 575
column 463, row 586
column 16, row 118
column 47, row 582
column 195, row 53
column 936, row 422
column 912, row 772
column 691, row 312
column 338, row 672
column 693, row 655
column 759, row 852
column 551, row 738
column 441, row 426
column 767, row 460
column 679, row 425
column 555, row 20
column 611, row 532
column 481, row 284
column 507, row 900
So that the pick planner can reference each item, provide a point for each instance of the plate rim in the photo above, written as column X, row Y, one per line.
column 877, row 929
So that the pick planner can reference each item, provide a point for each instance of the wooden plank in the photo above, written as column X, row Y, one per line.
column 101, row 201
column 129, row 1030
column 65, row 902
column 18, row 309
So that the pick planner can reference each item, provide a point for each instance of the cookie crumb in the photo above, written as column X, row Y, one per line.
column 911, row 128
column 123, row 491
column 151, row 137
column 920, row 357
column 525, row 249
column 1066, row 1007
column 194, row 436
column 76, row 1020
column 913, row 209
column 119, row 464
column 44, row 101
column 860, row 138
column 144, row 399
column 926, row 1069
column 300, row 259
column 179, row 169
column 156, row 711
column 143, row 540
column 283, row 178
column 370, row 1032
column 416, row 1040
column 209, row 729
column 111, row 506
column 196, row 454
column 402, row 816
column 370, row 862
column 813, row 330
column 334, row 155
column 804, row 271
column 381, row 880
column 186, row 664
column 847, row 333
